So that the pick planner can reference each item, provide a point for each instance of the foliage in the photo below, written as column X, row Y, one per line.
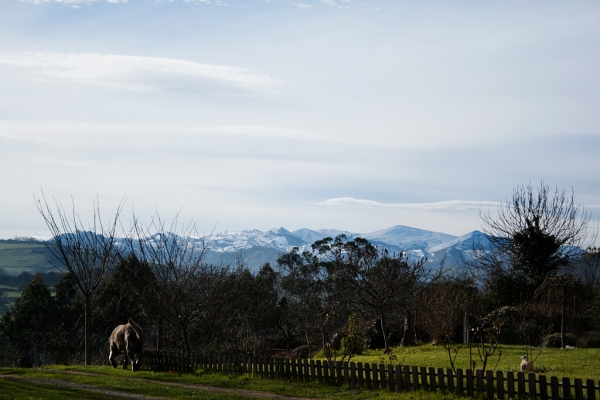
column 554, row 340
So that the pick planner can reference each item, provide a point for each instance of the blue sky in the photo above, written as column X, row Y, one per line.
column 347, row 114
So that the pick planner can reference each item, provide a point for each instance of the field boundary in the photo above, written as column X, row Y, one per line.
column 395, row 378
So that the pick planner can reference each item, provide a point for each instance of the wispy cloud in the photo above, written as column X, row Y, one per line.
column 136, row 73
column 441, row 205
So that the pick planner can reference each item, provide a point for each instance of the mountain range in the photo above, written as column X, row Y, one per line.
column 257, row 247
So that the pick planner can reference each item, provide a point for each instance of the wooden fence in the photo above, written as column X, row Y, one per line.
column 395, row 378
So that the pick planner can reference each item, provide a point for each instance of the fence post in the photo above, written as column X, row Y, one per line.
column 521, row 385
column 510, row 384
column 432, row 384
column 407, row 383
column 399, row 378
column 489, row 377
column 313, row 376
column 382, row 380
column 375, row 378
column 500, row 385
column 532, row 386
column 294, row 374
column 424, row 378
column 544, row 388
column 273, row 368
column 338, row 373
column 554, row 388
column 470, row 382
column 319, row 372
column 566, row 385
column 390, row 378
column 591, row 389
column 415, row 378
column 361, row 380
column 353, row 375
column 450, row 377
column 368, row 375
column 479, row 374
column 306, row 370
column 578, row 389
column 346, row 374
column 326, row 377
column 459, row 382
column 441, row 383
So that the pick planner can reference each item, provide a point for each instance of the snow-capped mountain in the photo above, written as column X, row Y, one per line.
column 257, row 247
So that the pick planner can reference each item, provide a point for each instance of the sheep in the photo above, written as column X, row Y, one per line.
column 526, row 365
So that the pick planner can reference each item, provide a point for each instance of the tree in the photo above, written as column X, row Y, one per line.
column 536, row 234
column 371, row 279
column 176, row 259
column 30, row 325
column 87, row 252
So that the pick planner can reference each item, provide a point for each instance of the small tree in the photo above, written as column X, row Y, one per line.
column 87, row 252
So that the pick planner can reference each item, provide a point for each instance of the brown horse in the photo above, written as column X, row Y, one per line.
column 127, row 339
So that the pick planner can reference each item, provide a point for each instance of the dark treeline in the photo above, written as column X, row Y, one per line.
column 340, row 297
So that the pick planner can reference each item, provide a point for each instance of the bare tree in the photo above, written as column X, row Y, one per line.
column 442, row 305
column 537, row 233
column 88, row 252
column 175, row 253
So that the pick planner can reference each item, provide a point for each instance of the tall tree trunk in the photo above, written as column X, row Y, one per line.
column 159, row 336
column 409, row 331
column 385, row 338
column 562, row 317
column 88, row 329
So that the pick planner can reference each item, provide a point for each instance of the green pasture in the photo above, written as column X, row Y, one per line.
column 573, row 363
column 582, row 363
column 23, row 257
column 171, row 386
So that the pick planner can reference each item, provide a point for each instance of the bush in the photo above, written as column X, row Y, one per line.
column 553, row 340
column 589, row 340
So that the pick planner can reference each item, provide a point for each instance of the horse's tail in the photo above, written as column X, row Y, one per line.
column 138, row 331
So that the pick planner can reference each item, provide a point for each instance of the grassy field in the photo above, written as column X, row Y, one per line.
column 103, row 382
column 579, row 363
column 23, row 257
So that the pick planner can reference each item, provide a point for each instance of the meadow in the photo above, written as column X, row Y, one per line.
column 103, row 382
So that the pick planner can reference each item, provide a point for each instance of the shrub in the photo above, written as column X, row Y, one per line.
column 589, row 340
column 553, row 340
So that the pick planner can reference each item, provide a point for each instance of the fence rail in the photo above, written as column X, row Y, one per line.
column 395, row 378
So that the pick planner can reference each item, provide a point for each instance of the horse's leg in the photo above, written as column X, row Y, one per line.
column 126, row 361
column 111, row 358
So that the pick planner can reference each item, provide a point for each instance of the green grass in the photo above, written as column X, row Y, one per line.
column 157, row 384
column 573, row 363
column 18, row 257
column 580, row 363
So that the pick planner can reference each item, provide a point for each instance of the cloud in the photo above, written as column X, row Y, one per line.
column 441, row 205
column 137, row 73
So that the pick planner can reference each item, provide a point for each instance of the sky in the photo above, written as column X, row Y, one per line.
column 253, row 114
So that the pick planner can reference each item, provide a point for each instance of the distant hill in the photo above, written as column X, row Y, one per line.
column 29, row 255
column 255, row 247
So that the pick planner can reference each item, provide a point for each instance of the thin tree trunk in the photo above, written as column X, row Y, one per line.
column 385, row 338
column 88, row 330
column 409, row 335
column 159, row 336
column 562, row 317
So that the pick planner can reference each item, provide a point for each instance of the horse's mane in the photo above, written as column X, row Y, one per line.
column 138, row 331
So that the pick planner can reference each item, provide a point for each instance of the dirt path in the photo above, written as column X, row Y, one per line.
column 115, row 393
column 96, row 389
